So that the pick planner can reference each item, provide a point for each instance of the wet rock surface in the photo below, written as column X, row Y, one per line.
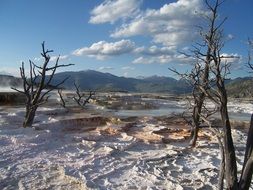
column 11, row 98
column 97, row 149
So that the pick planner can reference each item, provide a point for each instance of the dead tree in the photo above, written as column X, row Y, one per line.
column 199, row 76
column 219, row 69
column 219, row 96
column 212, row 87
column 80, row 97
column 216, row 68
column 193, row 78
column 63, row 103
column 37, row 85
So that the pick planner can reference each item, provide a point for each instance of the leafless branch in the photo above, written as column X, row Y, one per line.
column 79, row 99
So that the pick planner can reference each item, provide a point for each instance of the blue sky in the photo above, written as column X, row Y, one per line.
column 124, row 37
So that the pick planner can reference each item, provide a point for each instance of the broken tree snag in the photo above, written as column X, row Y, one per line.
column 38, row 84
column 62, row 101
column 80, row 97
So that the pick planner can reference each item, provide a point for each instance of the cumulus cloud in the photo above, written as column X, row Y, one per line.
column 102, row 49
column 155, row 50
column 171, row 27
column 172, row 24
column 145, row 55
column 161, row 55
column 113, row 10
column 163, row 59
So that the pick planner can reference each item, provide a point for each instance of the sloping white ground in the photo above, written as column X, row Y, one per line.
column 51, row 156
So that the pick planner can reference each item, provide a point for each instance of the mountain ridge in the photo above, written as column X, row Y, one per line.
column 94, row 80
column 106, row 82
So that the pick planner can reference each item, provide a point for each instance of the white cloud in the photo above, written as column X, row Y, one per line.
column 62, row 57
column 172, row 24
column 127, row 68
column 163, row 59
column 230, row 58
column 147, row 55
column 161, row 55
column 113, row 10
column 230, row 36
column 171, row 27
column 142, row 60
column 154, row 50
column 102, row 50
column 234, row 59
column 38, row 59
column 105, row 68
column 52, row 58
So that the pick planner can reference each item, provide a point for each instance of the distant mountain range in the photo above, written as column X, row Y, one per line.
column 94, row 80
column 8, row 80
column 240, row 87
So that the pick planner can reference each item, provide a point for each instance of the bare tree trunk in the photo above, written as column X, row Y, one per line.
column 229, row 150
column 29, row 117
column 194, row 135
column 63, row 103
column 247, row 170
column 222, row 165
column 197, row 109
column 196, row 121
